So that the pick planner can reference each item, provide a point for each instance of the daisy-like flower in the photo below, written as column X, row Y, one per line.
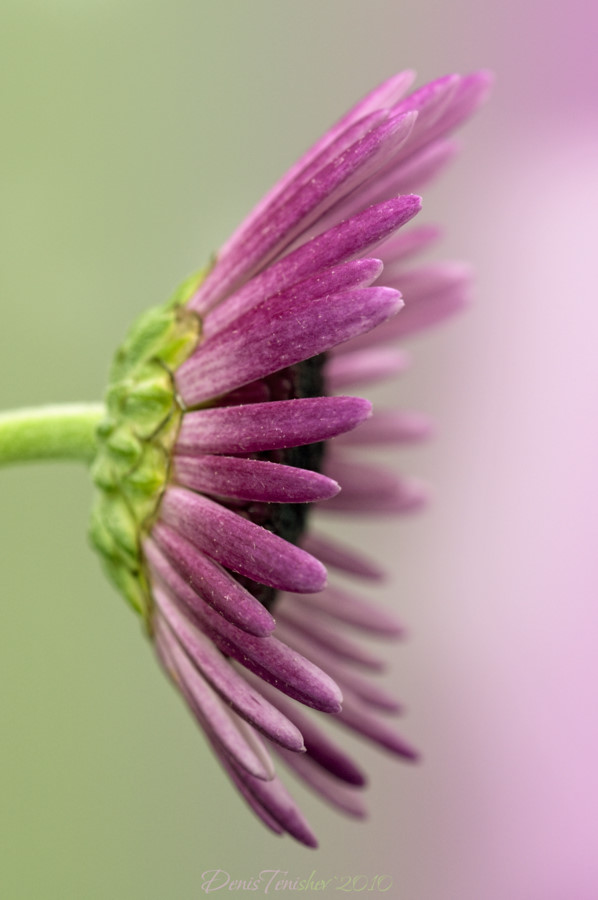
column 227, row 425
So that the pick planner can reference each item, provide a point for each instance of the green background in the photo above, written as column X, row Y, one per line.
column 135, row 135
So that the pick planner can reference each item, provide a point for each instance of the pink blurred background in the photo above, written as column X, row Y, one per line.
column 129, row 120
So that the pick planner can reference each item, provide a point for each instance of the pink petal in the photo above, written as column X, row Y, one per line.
column 213, row 584
column 225, row 680
column 435, row 292
column 239, row 544
column 372, row 489
column 254, row 805
column 407, row 243
column 431, row 101
column 251, row 479
column 272, row 799
column 230, row 734
column 418, row 170
column 269, row 426
column 471, row 92
column 342, row 242
column 339, row 556
column 388, row 427
column 363, row 367
column 317, row 633
column 300, row 204
column 357, row 273
column 357, row 718
column 381, row 98
column 267, row 657
column 278, row 333
column 353, row 684
column 319, row 746
column 340, row 796
column 343, row 606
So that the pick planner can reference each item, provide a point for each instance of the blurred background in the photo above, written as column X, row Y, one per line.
column 136, row 133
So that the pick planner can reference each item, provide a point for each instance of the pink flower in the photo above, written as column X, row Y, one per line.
column 299, row 306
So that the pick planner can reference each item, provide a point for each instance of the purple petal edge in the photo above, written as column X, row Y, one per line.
column 269, row 426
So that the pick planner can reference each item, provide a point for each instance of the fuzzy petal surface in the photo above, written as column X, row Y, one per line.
column 269, row 426
column 239, row 544
column 252, row 479
column 278, row 333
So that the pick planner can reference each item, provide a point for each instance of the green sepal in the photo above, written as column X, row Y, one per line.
column 150, row 401
column 99, row 533
column 103, row 473
column 132, row 584
column 136, row 438
column 144, row 486
column 143, row 343
column 122, row 568
column 124, row 445
column 120, row 524
column 187, row 288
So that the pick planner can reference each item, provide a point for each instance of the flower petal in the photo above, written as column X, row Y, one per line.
column 329, row 639
column 226, row 681
column 213, row 584
column 272, row 798
column 363, row 367
column 286, row 193
column 420, row 283
column 372, row 489
column 431, row 101
column 343, row 606
column 301, row 204
column 417, row 171
column 239, row 544
column 365, row 690
column 339, row 556
column 389, row 427
column 357, row 718
column 471, row 92
column 408, row 242
column 256, row 392
column 356, row 273
column 255, row 806
column 269, row 426
column 432, row 294
column 267, row 657
column 344, row 798
column 251, row 479
column 358, row 685
column 278, row 333
column 382, row 97
column 318, row 744
column 342, row 242
column 225, row 729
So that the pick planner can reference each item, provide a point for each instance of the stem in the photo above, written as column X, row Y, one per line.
column 67, row 431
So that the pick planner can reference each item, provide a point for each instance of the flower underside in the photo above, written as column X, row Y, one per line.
column 226, row 426
column 218, row 445
column 137, row 436
column 136, row 439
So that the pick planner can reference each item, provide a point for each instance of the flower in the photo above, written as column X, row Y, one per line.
column 216, row 449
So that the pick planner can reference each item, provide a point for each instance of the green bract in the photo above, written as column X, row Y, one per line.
column 136, row 437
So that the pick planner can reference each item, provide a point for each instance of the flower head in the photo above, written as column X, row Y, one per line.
column 216, row 449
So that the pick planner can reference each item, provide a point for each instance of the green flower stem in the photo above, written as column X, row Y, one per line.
column 67, row 431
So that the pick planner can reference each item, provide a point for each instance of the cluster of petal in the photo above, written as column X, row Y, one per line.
column 299, row 279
